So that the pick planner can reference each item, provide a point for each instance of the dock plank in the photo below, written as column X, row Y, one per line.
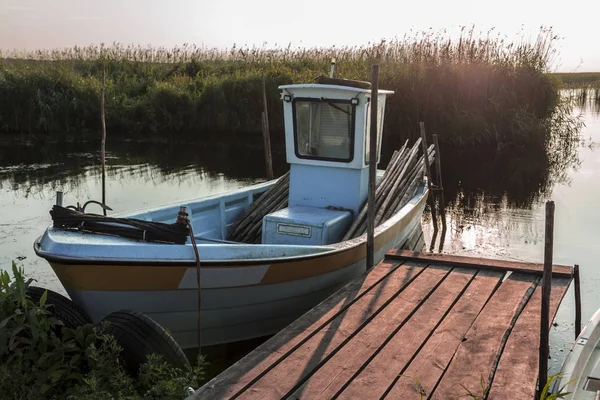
column 292, row 372
column 383, row 367
column 415, row 330
column 339, row 369
column 517, row 371
column 252, row 365
column 482, row 263
column 470, row 367
column 374, row 286
column 424, row 371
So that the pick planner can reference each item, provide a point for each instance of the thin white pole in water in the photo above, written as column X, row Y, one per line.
column 372, row 168
column 332, row 68
column 103, row 150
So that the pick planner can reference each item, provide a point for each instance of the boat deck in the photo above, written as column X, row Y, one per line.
column 416, row 326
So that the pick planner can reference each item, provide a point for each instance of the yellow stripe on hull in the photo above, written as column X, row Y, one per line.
column 155, row 278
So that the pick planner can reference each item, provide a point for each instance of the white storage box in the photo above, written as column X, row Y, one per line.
column 300, row 225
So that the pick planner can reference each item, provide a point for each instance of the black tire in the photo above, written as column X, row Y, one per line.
column 62, row 308
column 140, row 336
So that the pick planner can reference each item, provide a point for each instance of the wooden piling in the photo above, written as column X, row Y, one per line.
column 577, row 300
column 438, row 166
column 103, row 149
column 59, row 198
column 266, row 134
column 373, row 168
column 430, row 198
column 546, row 292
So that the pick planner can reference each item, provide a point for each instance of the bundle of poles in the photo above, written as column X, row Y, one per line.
column 400, row 181
column 249, row 227
column 398, row 185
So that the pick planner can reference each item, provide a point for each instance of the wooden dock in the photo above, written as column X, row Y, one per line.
column 417, row 326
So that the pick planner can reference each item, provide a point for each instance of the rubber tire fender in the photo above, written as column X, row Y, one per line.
column 61, row 308
column 140, row 336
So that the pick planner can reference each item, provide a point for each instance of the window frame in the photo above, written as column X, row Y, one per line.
column 352, row 131
column 368, row 130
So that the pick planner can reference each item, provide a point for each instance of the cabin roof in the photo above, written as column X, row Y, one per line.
column 335, row 87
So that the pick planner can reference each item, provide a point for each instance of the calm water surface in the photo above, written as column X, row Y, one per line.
column 496, row 204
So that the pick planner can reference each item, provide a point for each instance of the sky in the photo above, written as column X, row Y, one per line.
column 42, row 24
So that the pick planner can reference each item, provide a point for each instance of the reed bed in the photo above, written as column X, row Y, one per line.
column 476, row 89
column 576, row 80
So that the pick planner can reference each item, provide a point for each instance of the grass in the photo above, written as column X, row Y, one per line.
column 573, row 80
column 582, row 87
column 478, row 89
column 484, row 389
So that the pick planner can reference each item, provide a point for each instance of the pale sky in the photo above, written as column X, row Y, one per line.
column 32, row 24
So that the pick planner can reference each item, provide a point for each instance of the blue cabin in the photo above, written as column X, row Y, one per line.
column 327, row 146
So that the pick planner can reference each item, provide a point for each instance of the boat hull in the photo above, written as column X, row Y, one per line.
column 239, row 301
column 580, row 372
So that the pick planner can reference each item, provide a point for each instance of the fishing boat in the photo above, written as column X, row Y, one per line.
column 580, row 373
column 251, row 287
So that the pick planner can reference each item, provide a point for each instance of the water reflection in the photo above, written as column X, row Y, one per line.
column 32, row 168
column 494, row 211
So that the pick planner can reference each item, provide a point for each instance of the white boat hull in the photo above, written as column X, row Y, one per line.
column 580, row 373
column 247, row 291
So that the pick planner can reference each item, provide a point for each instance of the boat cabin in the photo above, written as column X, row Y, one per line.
column 327, row 129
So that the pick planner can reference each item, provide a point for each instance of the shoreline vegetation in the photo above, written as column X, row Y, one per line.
column 478, row 89
column 42, row 358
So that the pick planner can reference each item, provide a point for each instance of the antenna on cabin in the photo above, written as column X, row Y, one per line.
column 332, row 67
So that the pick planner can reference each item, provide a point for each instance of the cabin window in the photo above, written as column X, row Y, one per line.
column 324, row 129
column 368, row 130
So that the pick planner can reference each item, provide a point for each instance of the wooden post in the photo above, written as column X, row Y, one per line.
column 265, row 129
column 59, row 198
column 438, row 167
column 546, row 290
column 372, row 168
column 428, row 173
column 442, row 239
column 433, row 238
column 577, row 301
column 103, row 150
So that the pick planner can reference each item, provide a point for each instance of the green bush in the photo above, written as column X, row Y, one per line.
column 80, row 364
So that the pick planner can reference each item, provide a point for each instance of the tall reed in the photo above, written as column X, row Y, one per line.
column 476, row 89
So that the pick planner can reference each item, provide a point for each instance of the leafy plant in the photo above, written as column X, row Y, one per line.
column 546, row 393
column 485, row 389
column 80, row 364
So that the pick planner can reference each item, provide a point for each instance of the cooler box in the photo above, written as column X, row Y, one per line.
column 301, row 225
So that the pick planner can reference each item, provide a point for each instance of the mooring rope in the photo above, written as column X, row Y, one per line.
column 182, row 218
column 131, row 228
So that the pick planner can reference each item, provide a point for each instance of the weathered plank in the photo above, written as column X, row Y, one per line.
column 428, row 365
column 475, row 357
column 482, row 263
column 401, row 331
column 275, row 349
column 300, row 365
column 380, row 370
column 517, row 371
column 339, row 369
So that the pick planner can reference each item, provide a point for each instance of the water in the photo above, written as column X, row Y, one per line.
column 507, row 220
column 496, row 199
column 139, row 175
